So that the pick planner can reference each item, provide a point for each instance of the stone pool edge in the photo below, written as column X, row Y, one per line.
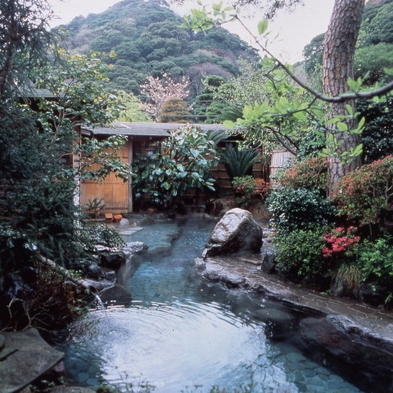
column 357, row 336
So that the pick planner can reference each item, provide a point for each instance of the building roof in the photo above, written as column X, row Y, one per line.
column 149, row 129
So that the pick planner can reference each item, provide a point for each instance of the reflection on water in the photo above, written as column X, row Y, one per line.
column 180, row 332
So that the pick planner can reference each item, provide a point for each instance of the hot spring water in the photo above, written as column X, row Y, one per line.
column 181, row 334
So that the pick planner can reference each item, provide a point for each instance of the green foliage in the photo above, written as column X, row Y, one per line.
column 377, row 136
column 24, row 43
column 49, row 301
column 205, row 108
column 40, row 231
column 371, row 61
column 312, row 53
column 37, row 191
column 102, row 234
column 148, row 39
column 363, row 194
column 339, row 127
column 311, row 143
column 275, row 111
column 376, row 25
column 238, row 162
column 301, row 208
column 185, row 162
column 75, row 84
column 132, row 109
column 375, row 261
column 300, row 200
column 175, row 111
column 350, row 276
column 248, row 189
column 94, row 206
column 299, row 254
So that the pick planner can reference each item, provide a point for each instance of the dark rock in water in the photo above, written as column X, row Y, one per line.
column 237, row 231
column 279, row 323
column 24, row 358
column 113, row 259
column 339, row 346
column 116, row 295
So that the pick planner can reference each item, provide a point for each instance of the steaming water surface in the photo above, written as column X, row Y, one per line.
column 183, row 334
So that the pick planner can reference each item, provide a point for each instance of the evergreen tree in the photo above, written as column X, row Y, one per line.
column 175, row 111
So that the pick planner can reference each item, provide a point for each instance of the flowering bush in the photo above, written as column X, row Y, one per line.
column 365, row 193
column 309, row 173
column 248, row 189
column 340, row 242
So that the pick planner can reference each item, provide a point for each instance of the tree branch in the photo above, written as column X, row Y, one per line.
column 335, row 100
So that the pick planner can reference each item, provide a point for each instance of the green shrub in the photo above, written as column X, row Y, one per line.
column 375, row 260
column 101, row 234
column 293, row 209
column 299, row 253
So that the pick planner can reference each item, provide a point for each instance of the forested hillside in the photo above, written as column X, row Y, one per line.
column 142, row 38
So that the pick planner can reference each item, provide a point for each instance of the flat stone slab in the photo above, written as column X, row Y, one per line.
column 24, row 357
column 130, row 231
column 71, row 389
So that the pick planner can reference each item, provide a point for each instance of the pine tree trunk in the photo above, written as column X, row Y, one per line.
column 338, row 59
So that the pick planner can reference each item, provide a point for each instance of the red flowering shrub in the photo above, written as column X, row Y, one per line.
column 340, row 242
column 366, row 192
column 309, row 173
column 248, row 189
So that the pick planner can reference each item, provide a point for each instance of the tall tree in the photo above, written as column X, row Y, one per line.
column 338, row 58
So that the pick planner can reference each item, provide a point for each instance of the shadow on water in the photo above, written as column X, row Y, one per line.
column 183, row 334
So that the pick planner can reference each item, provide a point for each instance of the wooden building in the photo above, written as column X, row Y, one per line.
column 142, row 139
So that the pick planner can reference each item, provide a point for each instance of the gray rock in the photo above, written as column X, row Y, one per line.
column 268, row 262
column 28, row 357
column 237, row 231
column 112, row 259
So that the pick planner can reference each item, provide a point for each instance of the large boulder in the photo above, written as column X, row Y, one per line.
column 236, row 232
